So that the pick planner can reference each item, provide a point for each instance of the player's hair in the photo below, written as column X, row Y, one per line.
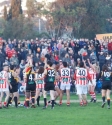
column 105, row 68
column 41, row 70
column 12, row 67
column 81, row 64
column 49, row 63
column 65, row 64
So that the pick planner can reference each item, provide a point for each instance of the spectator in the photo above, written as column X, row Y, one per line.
column 22, row 67
column 14, row 60
column 93, row 58
column 102, row 60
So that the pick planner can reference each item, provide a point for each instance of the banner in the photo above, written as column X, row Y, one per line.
column 106, row 36
column 21, row 89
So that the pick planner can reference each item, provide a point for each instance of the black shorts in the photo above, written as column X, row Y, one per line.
column 14, row 89
column 31, row 88
column 49, row 86
column 106, row 86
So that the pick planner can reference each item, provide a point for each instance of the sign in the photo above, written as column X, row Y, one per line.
column 107, row 36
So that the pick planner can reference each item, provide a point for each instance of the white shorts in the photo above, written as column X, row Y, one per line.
column 81, row 89
column 4, row 90
column 65, row 86
column 93, row 81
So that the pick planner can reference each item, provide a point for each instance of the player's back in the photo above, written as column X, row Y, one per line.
column 81, row 75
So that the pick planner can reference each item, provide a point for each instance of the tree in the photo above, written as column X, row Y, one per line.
column 5, row 13
column 31, row 8
column 15, row 9
column 95, row 21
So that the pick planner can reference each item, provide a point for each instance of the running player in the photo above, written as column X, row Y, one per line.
column 13, row 78
column 49, row 74
column 4, row 85
column 65, row 83
column 39, row 84
column 82, row 76
column 106, row 77
column 91, row 87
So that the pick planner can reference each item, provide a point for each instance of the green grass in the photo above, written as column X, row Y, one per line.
column 92, row 114
column 73, row 96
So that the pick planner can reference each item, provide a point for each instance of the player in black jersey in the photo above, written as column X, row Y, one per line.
column 106, row 77
column 13, row 79
column 30, row 87
column 49, row 74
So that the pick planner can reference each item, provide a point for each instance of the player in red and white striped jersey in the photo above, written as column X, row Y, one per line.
column 65, row 82
column 4, row 85
column 81, row 77
column 91, row 87
column 39, row 84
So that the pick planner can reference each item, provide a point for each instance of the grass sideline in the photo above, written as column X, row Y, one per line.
column 92, row 114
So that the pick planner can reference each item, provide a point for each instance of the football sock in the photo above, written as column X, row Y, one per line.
column 52, row 103
column 94, row 95
column 108, row 102
column 103, row 98
column 33, row 100
column 10, row 98
column 15, row 100
column 38, row 99
column 45, row 101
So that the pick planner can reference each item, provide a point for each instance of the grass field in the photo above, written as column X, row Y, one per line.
column 92, row 114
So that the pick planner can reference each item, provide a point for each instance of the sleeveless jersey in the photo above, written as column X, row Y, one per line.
column 30, row 78
column 65, row 75
column 106, row 76
column 82, row 76
column 50, row 77
column 92, row 74
column 12, row 80
column 39, row 82
column 3, row 83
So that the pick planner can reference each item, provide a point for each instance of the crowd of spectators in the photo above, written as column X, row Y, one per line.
column 72, row 51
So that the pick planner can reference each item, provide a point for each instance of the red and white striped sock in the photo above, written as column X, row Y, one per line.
column 91, row 94
column 94, row 95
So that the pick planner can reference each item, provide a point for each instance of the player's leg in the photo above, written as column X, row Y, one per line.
column 37, row 97
column 108, row 98
column 79, row 93
column 90, row 92
column 6, row 98
column 84, row 94
column 68, row 94
column 10, row 97
column 52, row 97
column 57, row 93
column 45, row 99
column 27, row 98
column 1, row 97
column 15, row 93
column 103, row 97
column 62, row 88
column 33, row 98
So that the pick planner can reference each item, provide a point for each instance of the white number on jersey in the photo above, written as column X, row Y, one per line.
column 81, row 72
column 65, row 72
column 1, row 75
column 107, row 74
column 51, row 73
column 30, row 77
